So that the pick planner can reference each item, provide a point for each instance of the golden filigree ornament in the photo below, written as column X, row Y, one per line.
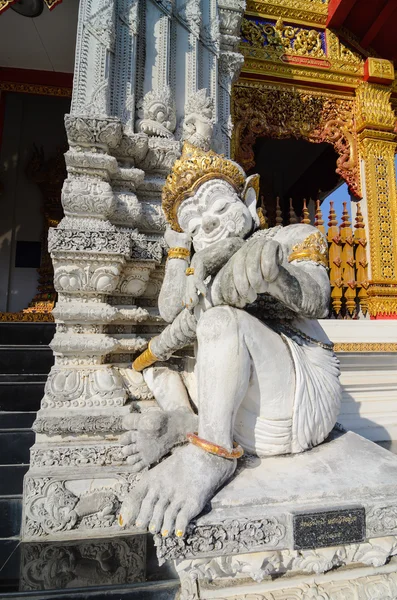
column 192, row 169
column 313, row 248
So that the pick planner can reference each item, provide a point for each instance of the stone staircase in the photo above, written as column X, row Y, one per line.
column 25, row 361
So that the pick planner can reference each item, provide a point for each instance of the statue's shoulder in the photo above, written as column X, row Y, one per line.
column 296, row 233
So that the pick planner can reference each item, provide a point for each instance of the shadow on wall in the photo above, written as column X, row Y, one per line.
column 351, row 420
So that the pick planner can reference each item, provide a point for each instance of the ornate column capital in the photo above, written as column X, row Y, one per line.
column 374, row 110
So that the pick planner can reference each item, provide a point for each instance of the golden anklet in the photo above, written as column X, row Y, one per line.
column 212, row 448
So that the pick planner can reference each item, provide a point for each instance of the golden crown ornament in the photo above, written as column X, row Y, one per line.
column 192, row 169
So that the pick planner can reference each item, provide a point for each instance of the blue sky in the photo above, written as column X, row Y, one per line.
column 338, row 196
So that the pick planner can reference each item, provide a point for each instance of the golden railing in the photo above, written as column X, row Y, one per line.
column 347, row 260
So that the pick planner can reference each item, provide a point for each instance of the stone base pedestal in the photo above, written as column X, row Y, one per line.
column 322, row 524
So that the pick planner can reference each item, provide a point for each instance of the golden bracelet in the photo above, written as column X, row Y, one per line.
column 183, row 253
column 144, row 360
column 212, row 448
column 190, row 271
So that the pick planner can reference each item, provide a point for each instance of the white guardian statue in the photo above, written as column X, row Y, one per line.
column 264, row 379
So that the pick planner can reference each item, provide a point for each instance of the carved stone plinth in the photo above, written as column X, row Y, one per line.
column 68, row 565
column 249, row 539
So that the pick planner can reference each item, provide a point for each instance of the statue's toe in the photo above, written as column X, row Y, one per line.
column 147, row 508
column 129, row 450
column 157, row 519
column 170, row 515
column 184, row 516
column 131, row 506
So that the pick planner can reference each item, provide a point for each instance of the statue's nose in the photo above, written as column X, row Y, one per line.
column 209, row 223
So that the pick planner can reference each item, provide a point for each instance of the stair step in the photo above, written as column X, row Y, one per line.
column 26, row 333
column 21, row 396
column 17, row 420
column 14, row 447
column 11, row 479
column 10, row 558
column 25, row 359
column 149, row 591
column 11, row 516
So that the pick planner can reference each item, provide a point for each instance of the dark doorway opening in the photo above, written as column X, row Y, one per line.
column 294, row 169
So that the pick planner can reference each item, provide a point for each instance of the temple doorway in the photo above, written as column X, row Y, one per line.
column 293, row 173
column 32, row 170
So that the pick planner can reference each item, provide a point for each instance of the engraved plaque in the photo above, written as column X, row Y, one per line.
column 328, row 528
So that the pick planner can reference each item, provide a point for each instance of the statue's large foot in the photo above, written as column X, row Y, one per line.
column 171, row 494
column 154, row 434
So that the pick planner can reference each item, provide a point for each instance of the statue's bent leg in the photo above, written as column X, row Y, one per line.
column 153, row 434
column 171, row 494
column 223, row 373
column 246, row 379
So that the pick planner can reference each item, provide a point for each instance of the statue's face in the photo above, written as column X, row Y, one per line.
column 214, row 213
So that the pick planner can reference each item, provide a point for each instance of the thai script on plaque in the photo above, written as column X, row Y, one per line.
column 328, row 528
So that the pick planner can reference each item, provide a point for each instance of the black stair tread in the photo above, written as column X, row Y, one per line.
column 24, row 347
column 11, row 515
column 17, row 420
column 30, row 378
column 26, row 333
column 25, row 360
column 11, row 479
column 14, row 447
column 21, row 396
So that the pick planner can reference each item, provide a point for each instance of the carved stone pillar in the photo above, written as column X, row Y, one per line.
column 377, row 145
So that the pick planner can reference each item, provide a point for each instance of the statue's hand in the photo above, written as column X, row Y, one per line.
column 271, row 259
column 195, row 282
column 175, row 239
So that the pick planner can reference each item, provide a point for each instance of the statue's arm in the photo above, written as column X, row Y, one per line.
column 262, row 266
column 172, row 293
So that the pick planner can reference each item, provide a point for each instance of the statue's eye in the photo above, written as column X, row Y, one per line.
column 194, row 230
column 221, row 208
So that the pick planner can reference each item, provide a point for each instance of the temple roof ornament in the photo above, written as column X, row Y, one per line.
column 32, row 8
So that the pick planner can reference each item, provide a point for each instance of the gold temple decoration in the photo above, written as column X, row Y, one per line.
column 335, row 261
column 280, row 39
column 35, row 88
column 313, row 248
column 374, row 110
column 377, row 146
column 194, row 167
column 348, row 262
column 305, row 213
column 4, row 4
column 281, row 112
column 318, row 219
column 379, row 70
column 307, row 12
column 361, row 263
column 365, row 347
column 302, row 80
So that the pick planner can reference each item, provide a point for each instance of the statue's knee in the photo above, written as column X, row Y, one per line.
column 215, row 322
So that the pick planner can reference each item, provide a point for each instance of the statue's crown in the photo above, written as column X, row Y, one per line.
column 194, row 167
